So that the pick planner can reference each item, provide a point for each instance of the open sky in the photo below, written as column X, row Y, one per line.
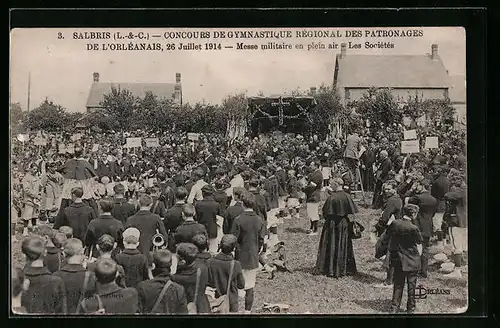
column 61, row 70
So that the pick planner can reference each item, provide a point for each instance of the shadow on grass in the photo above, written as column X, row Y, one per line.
column 309, row 270
column 375, row 305
column 296, row 230
column 366, row 278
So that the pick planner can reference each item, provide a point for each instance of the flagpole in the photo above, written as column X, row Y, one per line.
column 29, row 91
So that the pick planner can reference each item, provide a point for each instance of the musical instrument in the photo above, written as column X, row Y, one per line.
column 158, row 241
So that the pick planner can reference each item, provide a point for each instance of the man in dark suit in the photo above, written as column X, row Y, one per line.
column 404, row 243
column 249, row 229
column 382, row 174
column 174, row 300
column 233, row 211
column 207, row 210
column 392, row 208
column 366, row 160
column 173, row 218
column 110, row 298
column 148, row 224
column 105, row 224
column 134, row 168
column 260, row 204
column 427, row 208
column 158, row 206
column 105, row 168
column 78, row 215
column 122, row 209
column 189, row 227
column 351, row 154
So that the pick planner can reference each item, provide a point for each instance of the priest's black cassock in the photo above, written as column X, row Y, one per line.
column 335, row 254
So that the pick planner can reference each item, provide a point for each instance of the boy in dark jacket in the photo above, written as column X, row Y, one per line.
column 186, row 276
column 174, row 300
column 218, row 272
column 189, row 228
column 73, row 274
column 106, row 245
column 134, row 263
column 46, row 294
column 201, row 242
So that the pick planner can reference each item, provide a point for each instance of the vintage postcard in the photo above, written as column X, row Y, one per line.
column 238, row 170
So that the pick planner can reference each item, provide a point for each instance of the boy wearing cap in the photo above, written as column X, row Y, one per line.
column 134, row 263
column 73, row 274
column 47, row 294
column 207, row 210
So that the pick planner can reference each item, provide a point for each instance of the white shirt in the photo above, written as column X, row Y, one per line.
column 196, row 191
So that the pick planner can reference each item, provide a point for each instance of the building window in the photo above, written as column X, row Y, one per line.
column 347, row 94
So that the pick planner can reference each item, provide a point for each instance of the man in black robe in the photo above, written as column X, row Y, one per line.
column 336, row 254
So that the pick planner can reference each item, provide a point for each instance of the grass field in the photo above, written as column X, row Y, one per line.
column 308, row 293
column 305, row 292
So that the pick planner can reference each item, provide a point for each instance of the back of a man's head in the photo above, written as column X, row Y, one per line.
column 228, row 243
column 248, row 200
column 106, row 243
column 198, row 173
column 33, row 248
column 106, row 205
column 201, row 242
column 162, row 259
column 410, row 210
column 187, row 252
column 145, row 200
column 238, row 191
column 188, row 210
column 105, row 270
column 72, row 247
column 77, row 192
column 119, row 189
column 181, row 193
column 67, row 231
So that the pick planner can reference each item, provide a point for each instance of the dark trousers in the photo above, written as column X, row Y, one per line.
column 425, row 256
column 399, row 284
column 377, row 195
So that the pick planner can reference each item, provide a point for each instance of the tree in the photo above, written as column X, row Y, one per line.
column 119, row 109
column 48, row 117
column 327, row 110
column 379, row 107
column 16, row 116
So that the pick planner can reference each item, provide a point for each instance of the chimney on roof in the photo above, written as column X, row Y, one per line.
column 177, row 77
column 343, row 50
column 313, row 90
column 96, row 77
column 434, row 51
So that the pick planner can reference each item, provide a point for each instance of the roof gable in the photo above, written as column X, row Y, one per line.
column 410, row 71
column 99, row 89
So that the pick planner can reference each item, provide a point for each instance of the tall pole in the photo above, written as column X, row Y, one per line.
column 29, row 91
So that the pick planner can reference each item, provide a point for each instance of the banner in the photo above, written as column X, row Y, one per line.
column 39, row 141
column 193, row 136
column 152, row 142
column 134, row 142
column 410, row 134
column 431, row 142
column 410, row 146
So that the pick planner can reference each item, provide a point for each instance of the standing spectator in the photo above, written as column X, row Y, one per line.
column 173, row 217
column 77, row 216
column 196, row 192
column 405, row 248
column 122, row 209
column 105, row 224
column 32, row 188
column 458, row 221
column 427, row 208
column 158, row 206
column 367, row 160
column 351, row 153
column 234, row 211
column 201, row 242
column 381, row 176
column 161, row 294
column 109, row 298
column 194, row 278
column 250, row 230
column 78, row 282
column 189, row 228
column 207, row 210
column 313, row 194
column 148, row 224
column 219, row 268
column 46, row 293
column 440, row 186
column 260, row 207
column 134, row 263
column 336, row 254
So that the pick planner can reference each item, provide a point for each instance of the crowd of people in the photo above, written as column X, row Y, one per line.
column 187, row 225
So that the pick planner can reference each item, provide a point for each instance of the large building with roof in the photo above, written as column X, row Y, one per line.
column 406, row 75
column 98, row 89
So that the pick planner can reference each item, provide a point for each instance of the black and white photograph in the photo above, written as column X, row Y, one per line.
column 244, row 171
